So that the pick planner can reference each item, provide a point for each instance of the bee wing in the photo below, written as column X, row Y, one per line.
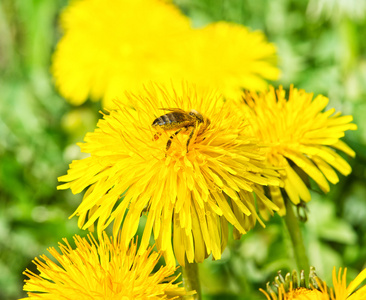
column 174, row 110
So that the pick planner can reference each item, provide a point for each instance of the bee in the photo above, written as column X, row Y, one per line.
column 178, row 119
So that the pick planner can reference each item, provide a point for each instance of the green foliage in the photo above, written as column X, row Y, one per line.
column 33, row 145
column 38, row 130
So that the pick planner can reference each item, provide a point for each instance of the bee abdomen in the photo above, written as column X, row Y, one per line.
column 164, row 120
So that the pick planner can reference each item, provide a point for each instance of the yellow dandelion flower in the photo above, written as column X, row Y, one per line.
column 183, row 175
column 101, row 270
column 129, row 43
column 302, row 139
column 109, row 46
column 231, row 57
column 288, row 288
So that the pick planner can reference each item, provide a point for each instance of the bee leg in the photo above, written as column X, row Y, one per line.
column 190, row 137
column 169, row 143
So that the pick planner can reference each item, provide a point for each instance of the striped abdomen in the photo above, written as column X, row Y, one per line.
column 174, row 120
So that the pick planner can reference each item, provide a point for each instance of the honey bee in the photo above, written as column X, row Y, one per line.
column 178, row 119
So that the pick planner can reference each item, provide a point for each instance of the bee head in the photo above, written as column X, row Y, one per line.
column 197, row 115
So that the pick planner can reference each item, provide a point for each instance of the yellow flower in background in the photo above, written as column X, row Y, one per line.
column 115, row 45
column 186, row 194
column 231, row 57
column 101, row 270
column 302, row 139
column 110, row 46
column 288, row 288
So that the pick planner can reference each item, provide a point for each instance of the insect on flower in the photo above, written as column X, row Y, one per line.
column 179, row 120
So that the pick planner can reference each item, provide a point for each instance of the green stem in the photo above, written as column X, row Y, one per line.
column 191, row 279
column 294, row 230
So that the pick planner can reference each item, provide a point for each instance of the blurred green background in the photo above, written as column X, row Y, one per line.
column 322, row 48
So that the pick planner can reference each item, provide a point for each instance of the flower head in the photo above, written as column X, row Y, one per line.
column 231, row 57
column 100, row 270
column 129, row 43
column 302, row 139
column 288, row 288
column 183, row 176
column 110, row 46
